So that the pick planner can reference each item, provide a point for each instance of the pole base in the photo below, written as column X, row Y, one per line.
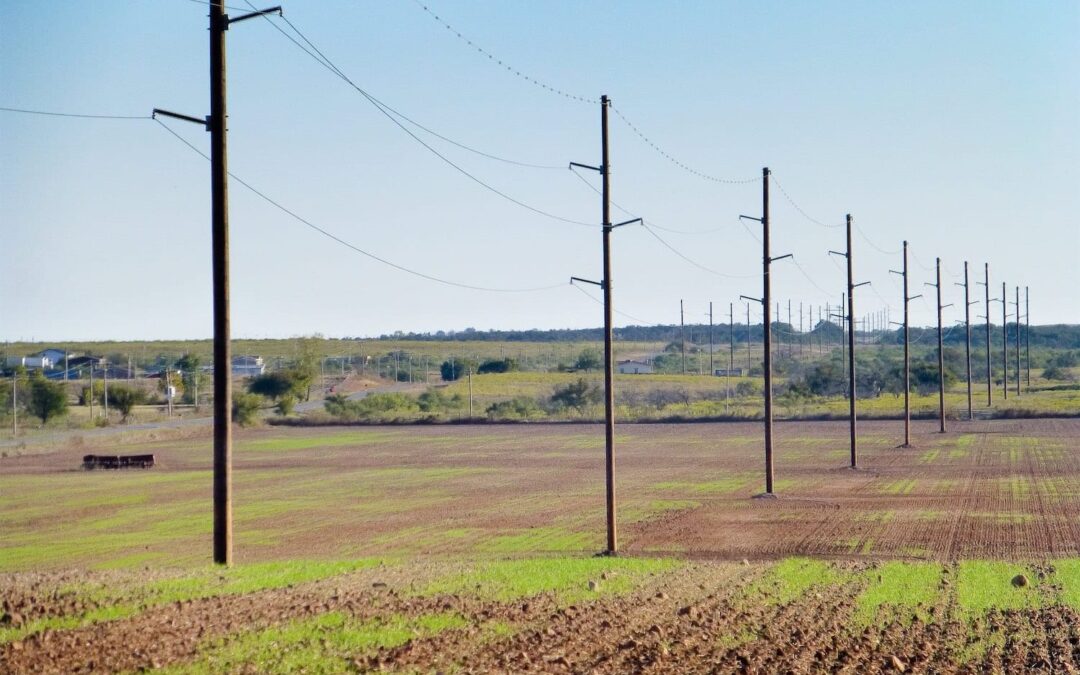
column 764, row 495
column 606, row 554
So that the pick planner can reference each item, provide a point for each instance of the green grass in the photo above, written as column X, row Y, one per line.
column 543, row 539
column 567, row 578
column 985, row 585
column 118, row 603
column 790, row 578
column 1067, row 574
column 327, row 643
column 898, row 487
column 897, row 591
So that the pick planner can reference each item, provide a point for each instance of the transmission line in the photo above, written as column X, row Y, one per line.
column 506, row 66
column 51, row 113
column 691, row 260
column 349, row 245
column 798, row 208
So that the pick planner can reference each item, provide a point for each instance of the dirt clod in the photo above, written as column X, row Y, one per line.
column 894, row 663
column 1020, row 581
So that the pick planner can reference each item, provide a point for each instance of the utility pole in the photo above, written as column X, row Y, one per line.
column 216, row 124
column 989, row 370
column 791, row 345
column 844, row 327
column 91, row 391
column 470, row 394
column 766, row 301
column 851, row 286
column 15, row 403
column 731, row 345
column 1016, row 341
column 605, row 284
column 682, row 335
column 802, row 335
column 967, row 338
column 940, row 347
column 907, row 351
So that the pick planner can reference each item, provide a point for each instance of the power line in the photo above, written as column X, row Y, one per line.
column 51, row 113
column 798, row 208
column 868, row 240
column 601, row 302
column 676, row 162
column 353, row 247
column 632, row 214
column 393, row 115
column 808, row 277
column 691, row 260
column 506, row 66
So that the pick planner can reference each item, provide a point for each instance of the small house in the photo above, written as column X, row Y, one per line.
column 733, row 372
column 633, row 368
column 248, row 366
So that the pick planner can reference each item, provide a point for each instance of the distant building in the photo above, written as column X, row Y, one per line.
column 54, row 355
column 248, row 366
column 633, row 368
column 722, row 372
column 29, row 362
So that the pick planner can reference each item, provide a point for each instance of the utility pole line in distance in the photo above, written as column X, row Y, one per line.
column 907, row 349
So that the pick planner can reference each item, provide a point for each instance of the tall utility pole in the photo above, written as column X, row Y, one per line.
column 216, row 124
column 802, row 336
column 989, row 370
column 766, row 301
column 682, row 335
column 907, row 351
column 851, row 286
column 1027, row 335
column 15, row 403
column 1004, row 342
column 609, row 358
column 1016, row 341
column 940, row 347
column 967, row 337
column 790, row 346
column 844, row 328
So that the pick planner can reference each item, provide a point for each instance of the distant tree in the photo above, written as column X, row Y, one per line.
column 245, row 407
column 589, row 359
column 436, row 400
column 47, row 399
column 506, row 365
column 455, row 368
column 194, row 379
column 285, row 405
column 274, row 385
column 306, row 368
column 519, row 407
column 125, row 398
column 578, row 395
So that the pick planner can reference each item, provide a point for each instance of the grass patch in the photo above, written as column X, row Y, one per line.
column 790, row 578
column 898, row 591
column 984, row 585
column 567, row 578
column 324, row 644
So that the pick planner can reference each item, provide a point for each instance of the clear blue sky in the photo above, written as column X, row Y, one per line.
column 953, row 125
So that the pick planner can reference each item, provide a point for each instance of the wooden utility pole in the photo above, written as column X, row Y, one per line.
column 940, row 352
column 749, row 352
column 609, row 357
column 15, row 403
column 967, row 338
column 731, row 345
column 766, row 302
column 852, row 395
column 217, row 124
column 105, row 387
column 907, row 350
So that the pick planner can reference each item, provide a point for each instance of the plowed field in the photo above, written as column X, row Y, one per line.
column 469, row 549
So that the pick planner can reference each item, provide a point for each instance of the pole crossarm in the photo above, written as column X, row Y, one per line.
column 590, row 167
column 747, row 297
column 251, row 15
column 759, row 220
column 865, row 283
column 205, row 121
column 587, row 281
column 781, row 257
column 628, row 222
column 842, row 255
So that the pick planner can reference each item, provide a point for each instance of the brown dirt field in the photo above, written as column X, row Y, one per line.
column 990, row 489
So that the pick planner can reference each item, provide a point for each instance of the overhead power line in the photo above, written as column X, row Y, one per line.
column 691, row 260
column 392, row 115
column 598, row 301
column 502, row 64
column 685, row 167
column 85, row 116
column 798, row 208
column 351, row 246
